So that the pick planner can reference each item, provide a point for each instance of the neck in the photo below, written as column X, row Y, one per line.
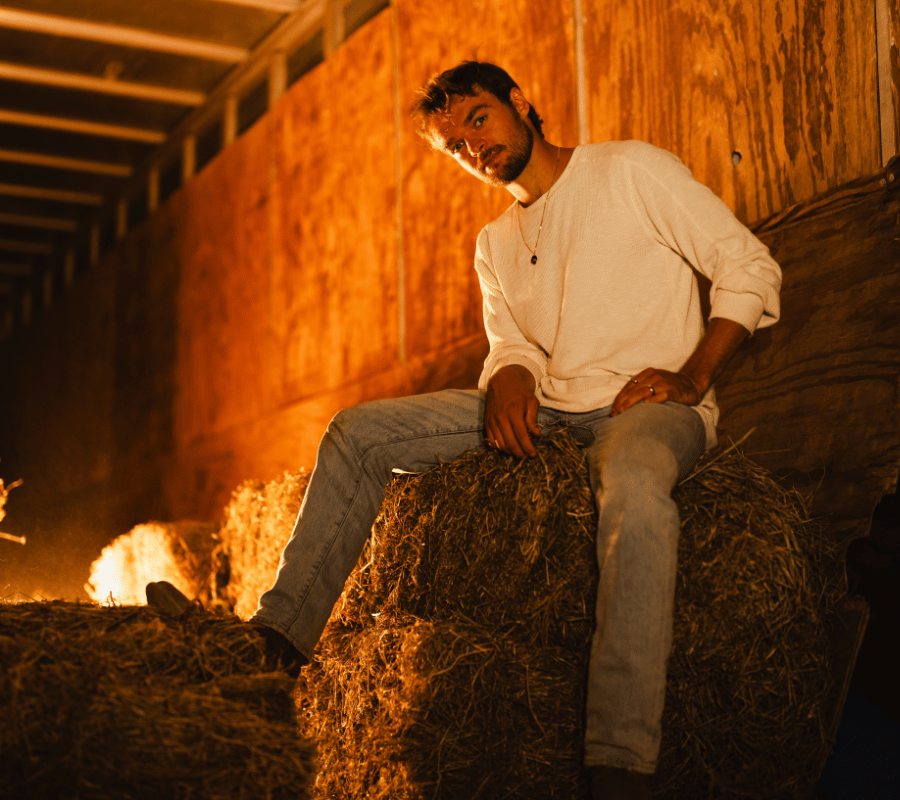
column 544, row 168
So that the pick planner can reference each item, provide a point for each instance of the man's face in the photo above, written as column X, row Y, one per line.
column 486, row 137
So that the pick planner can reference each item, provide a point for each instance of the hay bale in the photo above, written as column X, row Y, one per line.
column 258, row 523
column 178, row 552
column 436, row 679
column 121, row 702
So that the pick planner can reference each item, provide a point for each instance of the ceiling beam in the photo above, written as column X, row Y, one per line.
column 284, row 6
column 89, row 83
column 34, row 248
column 29, row 221
column 117, row 34
column 15, row 270
column 57, row 195
column 82, row 126
column 61, row 162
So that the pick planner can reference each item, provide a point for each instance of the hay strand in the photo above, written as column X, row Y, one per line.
column 121, row 702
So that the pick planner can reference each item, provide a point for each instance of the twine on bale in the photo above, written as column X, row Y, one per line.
column 121, row 702
column 454, row 665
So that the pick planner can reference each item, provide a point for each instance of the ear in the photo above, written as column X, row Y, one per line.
column 519, row 102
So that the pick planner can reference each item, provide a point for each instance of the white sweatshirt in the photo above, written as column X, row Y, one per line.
column 613, row 291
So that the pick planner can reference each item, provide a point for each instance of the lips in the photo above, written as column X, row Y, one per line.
column 491, row 157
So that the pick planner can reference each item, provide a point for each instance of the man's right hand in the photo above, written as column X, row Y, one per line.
column 510, row 411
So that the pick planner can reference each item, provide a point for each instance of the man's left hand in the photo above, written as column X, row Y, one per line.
column 656, row 386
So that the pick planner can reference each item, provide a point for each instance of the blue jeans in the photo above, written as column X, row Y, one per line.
column 635, row 459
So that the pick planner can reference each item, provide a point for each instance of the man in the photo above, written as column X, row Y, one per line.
column 592, row 312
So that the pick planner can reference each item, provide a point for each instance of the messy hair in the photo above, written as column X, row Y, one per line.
column 464, row 80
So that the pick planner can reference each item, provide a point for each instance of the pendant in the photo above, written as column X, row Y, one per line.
column 534, row 259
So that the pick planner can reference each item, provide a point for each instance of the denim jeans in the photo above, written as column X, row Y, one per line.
column 635, row 459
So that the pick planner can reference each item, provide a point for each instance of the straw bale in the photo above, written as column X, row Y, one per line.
column 258, row 523
column 455, row 663
column 121, row 702
column 178, row 552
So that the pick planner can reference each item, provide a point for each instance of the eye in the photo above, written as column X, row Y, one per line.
column 480, row 120
column 455, row 148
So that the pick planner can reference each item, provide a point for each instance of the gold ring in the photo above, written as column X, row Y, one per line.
column 652, row 390
column 634, row 380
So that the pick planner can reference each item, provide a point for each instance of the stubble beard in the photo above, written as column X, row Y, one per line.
column 517, row 158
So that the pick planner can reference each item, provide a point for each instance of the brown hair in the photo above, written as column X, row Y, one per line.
column 464, row 80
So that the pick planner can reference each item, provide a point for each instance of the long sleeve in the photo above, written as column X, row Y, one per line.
column 508, row 344
column 686, row 216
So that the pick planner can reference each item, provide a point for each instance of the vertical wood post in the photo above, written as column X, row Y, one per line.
column 188, row 158
column 277, row 76
column 334, row 26
column 230, row 120
column 887, row 112
column 121, row 219
column 152, row 190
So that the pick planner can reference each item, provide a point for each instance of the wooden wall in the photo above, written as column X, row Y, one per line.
column 325, row 258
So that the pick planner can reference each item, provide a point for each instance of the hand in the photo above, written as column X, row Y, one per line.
column 510, row 411
column 656, row 386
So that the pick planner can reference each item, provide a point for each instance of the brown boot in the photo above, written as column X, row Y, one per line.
column 615, row 783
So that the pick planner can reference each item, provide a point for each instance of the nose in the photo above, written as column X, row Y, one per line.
column 474, row 147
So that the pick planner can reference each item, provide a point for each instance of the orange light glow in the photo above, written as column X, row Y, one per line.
column 130, row 562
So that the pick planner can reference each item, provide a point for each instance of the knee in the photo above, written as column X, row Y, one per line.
column 647, row 469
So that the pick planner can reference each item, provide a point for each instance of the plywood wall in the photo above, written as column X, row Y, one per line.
column 325, row 258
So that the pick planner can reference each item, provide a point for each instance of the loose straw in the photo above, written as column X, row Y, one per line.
column 11, row 538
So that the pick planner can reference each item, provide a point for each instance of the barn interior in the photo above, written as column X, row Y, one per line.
column 218, row 228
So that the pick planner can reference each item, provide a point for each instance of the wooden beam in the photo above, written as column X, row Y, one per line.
column 18, row 246
column 61, row 162
column 88, row 83
column 284, row 6
column 119, row 35
column 81, row 126
column 58, row 195
column 29, row 221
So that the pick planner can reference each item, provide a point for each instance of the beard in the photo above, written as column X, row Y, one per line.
column 518, row 154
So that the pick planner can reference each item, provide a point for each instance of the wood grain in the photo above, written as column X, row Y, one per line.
column 792, row 87
column 334, row 289
column 821, row 385
column 444, row 208
column 222, row 243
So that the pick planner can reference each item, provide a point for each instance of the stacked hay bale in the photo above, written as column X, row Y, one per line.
column 178, row 552
column 258, row 523
column 121, row 702
column 454, row 665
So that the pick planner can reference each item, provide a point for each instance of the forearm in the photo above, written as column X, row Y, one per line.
column 713, row 352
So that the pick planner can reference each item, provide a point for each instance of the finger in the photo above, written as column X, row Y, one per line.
column 518, row 441
column 531, row 414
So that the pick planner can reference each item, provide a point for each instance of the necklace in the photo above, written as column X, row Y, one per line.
column 546, row 203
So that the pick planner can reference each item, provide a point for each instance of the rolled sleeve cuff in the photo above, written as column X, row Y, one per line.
column 490, row 370
column 745, row 309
